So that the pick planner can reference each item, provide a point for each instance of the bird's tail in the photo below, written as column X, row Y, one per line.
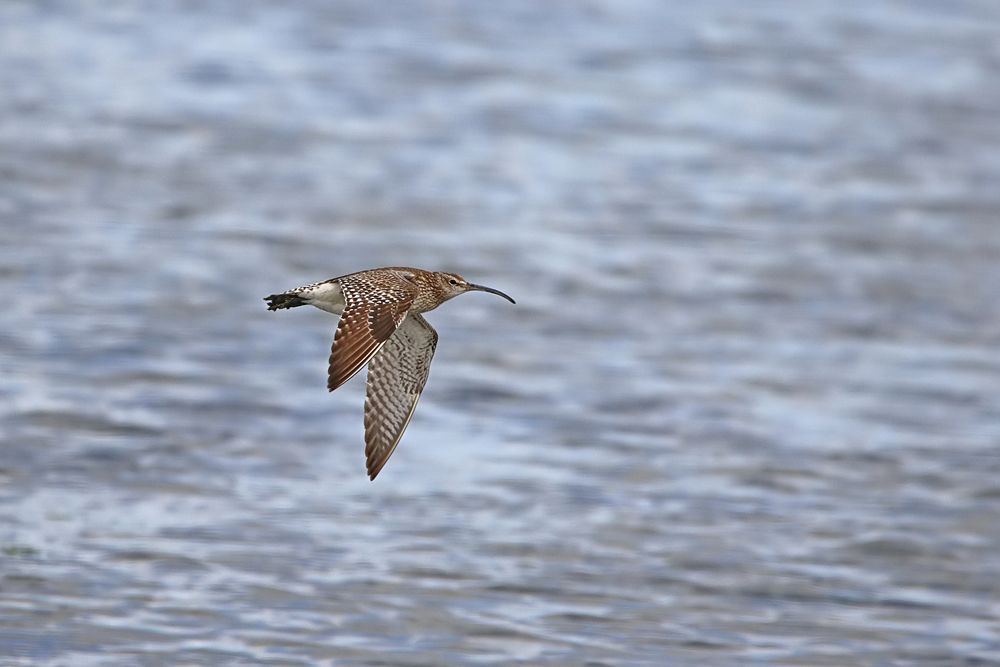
column 281, row 301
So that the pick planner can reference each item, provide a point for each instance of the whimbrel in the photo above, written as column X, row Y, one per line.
column 381, row 325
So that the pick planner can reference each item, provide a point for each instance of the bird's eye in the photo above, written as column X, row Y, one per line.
column 453, row 281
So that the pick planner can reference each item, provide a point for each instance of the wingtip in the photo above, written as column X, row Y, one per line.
column 374, row 467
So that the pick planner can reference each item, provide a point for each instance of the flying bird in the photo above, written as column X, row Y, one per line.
column 381, row 325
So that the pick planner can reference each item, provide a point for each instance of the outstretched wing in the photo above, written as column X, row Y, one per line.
column 396, row 377
column 375, row 304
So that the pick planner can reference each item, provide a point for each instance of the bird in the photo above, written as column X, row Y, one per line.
column 382, row 326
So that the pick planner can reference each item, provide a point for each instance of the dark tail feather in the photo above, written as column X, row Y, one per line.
column 280, row 301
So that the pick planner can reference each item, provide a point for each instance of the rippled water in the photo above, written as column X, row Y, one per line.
column 745, row 411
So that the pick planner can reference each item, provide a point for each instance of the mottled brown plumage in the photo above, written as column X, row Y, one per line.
column 380, row 325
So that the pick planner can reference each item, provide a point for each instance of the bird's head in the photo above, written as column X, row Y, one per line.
column 451, row 285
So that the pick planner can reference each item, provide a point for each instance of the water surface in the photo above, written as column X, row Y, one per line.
column 745, row 411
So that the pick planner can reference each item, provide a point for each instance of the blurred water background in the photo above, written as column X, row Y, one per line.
column 745, row 412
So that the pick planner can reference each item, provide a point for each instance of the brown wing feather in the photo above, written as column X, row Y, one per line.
column 396, row 378
column 375, row 303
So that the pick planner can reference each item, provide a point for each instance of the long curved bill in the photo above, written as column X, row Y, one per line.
column 481, row 288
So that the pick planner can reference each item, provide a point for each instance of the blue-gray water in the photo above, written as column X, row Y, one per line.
column 746, row 411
